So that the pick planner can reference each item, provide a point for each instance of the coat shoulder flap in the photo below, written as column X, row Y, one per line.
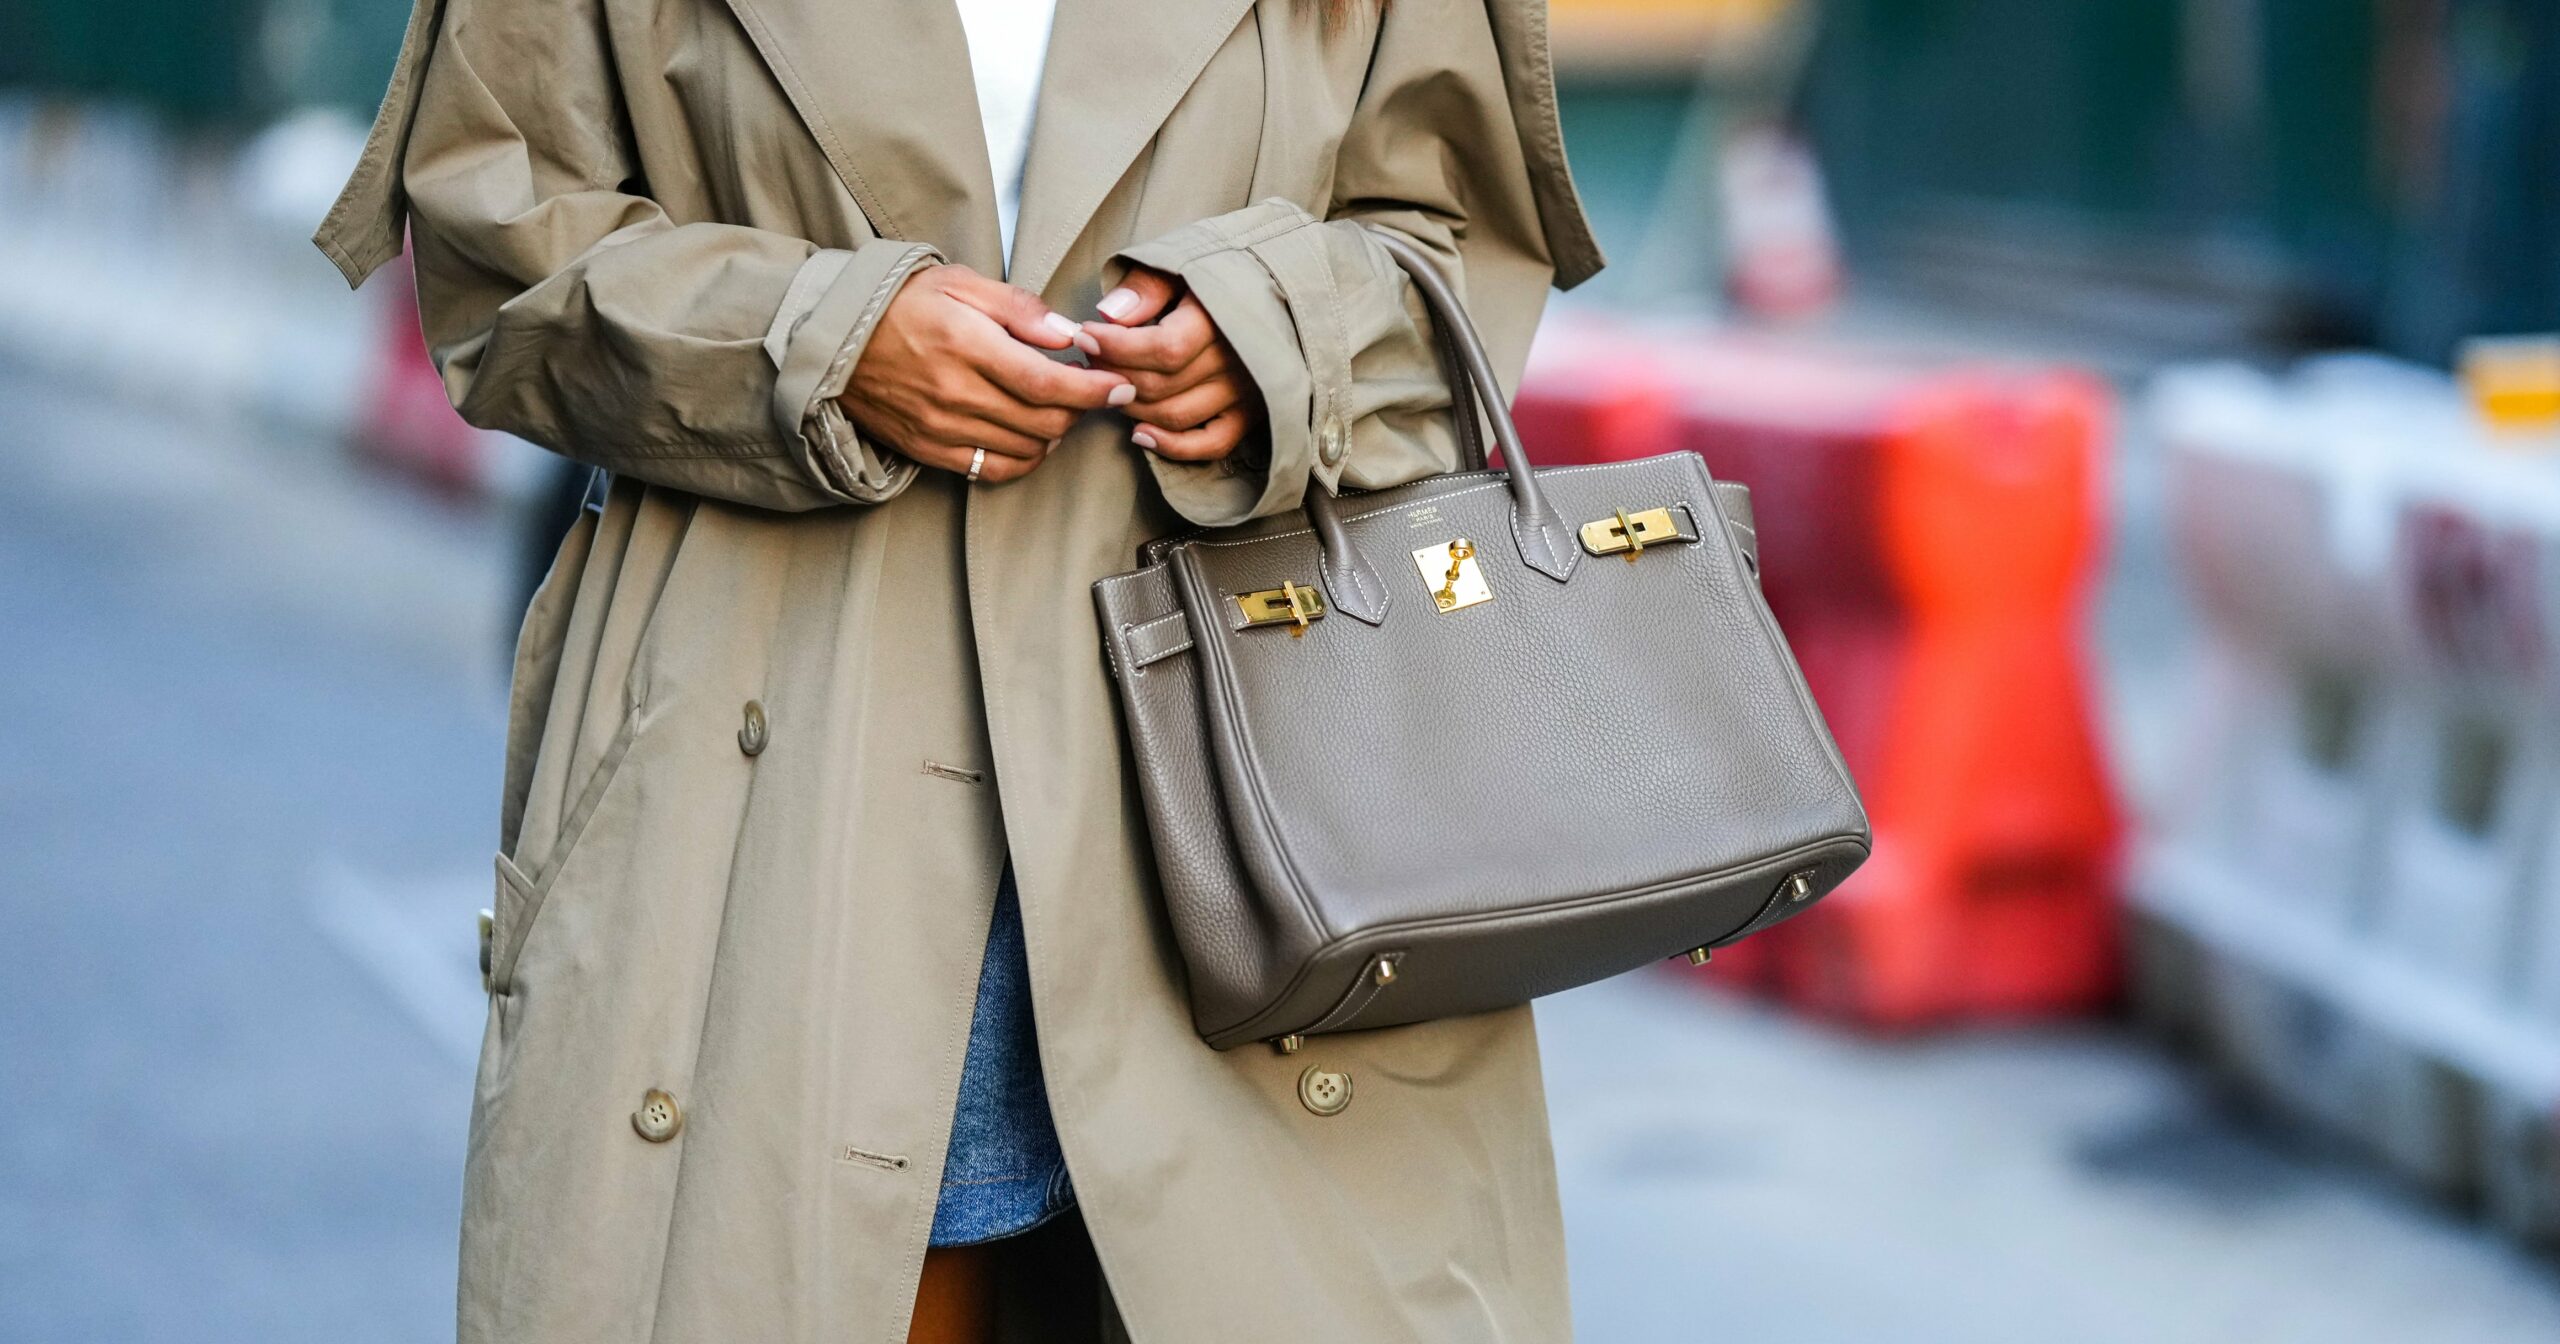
column 365, row 226
column 1529, row 80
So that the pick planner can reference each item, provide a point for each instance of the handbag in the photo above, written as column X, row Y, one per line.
column 1452, row 745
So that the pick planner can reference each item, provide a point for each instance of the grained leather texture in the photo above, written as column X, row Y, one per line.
column 1732, row 500
column 1234, row 944
column 1584, row 774
column 1555, row 786
column 1352, row 582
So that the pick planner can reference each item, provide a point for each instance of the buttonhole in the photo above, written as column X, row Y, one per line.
column 958, row 774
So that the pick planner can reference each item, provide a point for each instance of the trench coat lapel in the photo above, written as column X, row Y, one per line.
column 1116, row 70
column 885, row 87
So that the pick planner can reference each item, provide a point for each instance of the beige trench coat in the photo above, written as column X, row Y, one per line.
column 785, row 706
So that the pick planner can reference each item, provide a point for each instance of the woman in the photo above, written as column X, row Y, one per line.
column 814, row 703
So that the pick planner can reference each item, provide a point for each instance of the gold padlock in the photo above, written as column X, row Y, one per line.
column 1460, row 552
column 1456, row 581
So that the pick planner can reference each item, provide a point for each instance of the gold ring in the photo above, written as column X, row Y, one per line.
column 977, row 463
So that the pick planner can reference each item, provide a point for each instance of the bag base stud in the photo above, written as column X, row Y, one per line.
column 1800, row 887
column 1698, row 955
column 1288, row 1045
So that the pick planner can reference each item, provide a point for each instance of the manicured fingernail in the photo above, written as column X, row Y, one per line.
column 1123, row 394
column 1143, row 439
column 1119, row 303
column 1086, row 342
column 1064, row 325
column 1053, row 446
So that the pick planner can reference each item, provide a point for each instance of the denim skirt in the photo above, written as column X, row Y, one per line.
column 1004, row 1173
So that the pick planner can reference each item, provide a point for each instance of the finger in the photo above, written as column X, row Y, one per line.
column 1208, row 443
column 1161, row 348
column 1189, row 409
column 994, row 408
column 1019, row 311
column 1139, row 297
column 1040, row 381
column 995, row 470
column 1214, row 362
column 1189, row 324
column 964, row 430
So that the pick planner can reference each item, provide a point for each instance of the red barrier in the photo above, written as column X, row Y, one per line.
column 406, row 422
column 1928, row 538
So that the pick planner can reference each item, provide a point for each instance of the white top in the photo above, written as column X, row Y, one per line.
column 1008, row 44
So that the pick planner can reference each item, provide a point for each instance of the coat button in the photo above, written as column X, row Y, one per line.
column 752, row 734
column 1324, row 1091
column 659, row 1118
column 1335, row 441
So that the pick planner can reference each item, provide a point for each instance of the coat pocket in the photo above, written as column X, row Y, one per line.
column 522, row 892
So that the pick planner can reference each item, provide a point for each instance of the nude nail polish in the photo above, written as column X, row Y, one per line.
column 1119, row 303
column 1064, row 325
column 1123, row 394
column 1143, row 439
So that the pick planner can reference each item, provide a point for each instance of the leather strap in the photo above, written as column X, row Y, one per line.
column 1158, row 639
column 1462, row 399
column 1546, row 542
column 1352, row 585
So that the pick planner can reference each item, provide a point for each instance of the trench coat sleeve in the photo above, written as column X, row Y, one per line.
column 1334, row 334
column 562, row 304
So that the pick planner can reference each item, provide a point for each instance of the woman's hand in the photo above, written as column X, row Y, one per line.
column 955, row 365
column 1194, row 400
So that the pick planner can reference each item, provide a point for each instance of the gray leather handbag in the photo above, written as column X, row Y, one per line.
column 1446, row 747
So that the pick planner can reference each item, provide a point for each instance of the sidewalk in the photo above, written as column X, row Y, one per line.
column 1731, row 1174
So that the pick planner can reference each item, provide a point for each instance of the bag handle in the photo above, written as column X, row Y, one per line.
column 1355, row 587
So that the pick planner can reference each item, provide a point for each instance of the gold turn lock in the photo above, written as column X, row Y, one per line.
column 1624, row 533
column 1290, row 604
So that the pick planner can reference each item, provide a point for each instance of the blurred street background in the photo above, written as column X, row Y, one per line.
column 2154, row 419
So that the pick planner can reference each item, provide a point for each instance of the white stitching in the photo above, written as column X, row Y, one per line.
column 1201, row 535
column 1129, row 633
column 1502, row 480
column 1324, row 563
